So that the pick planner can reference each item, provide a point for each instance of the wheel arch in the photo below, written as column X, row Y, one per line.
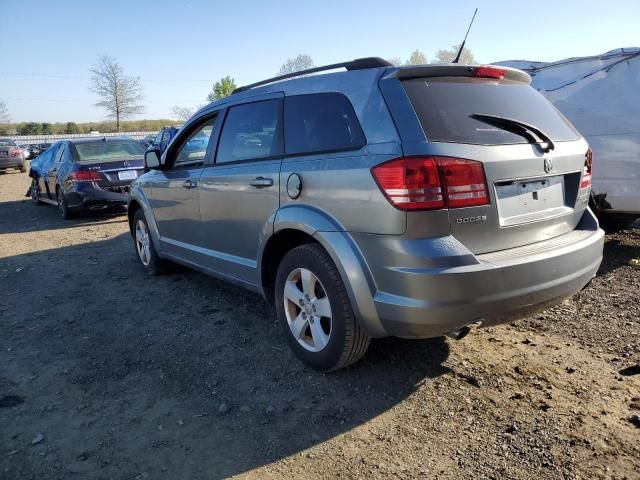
column 297, row 225
column 138, row 202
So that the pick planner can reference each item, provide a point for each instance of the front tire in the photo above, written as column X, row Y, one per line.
column 145, row 250
column 314, row 311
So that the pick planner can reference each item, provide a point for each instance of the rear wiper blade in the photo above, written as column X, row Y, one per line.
column 539, row 137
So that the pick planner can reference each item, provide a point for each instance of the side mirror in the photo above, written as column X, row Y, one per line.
column 152, row 159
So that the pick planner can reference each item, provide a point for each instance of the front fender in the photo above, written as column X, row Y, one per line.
column 347, row 257
column 136, row 194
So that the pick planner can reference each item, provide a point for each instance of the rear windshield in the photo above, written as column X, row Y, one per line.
column 444, row 107
column 101, row 151
column 7, row 142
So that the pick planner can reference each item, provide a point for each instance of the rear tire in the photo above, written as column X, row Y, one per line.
column 145, row 250
column 35, row 192
column 314, row 311
column 23, row 169
column 63, row 208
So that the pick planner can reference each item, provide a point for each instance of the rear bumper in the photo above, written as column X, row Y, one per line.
column 89, row 197
column 491, row 288
column 11, row 162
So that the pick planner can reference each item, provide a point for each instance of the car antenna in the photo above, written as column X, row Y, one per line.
column 457, row 59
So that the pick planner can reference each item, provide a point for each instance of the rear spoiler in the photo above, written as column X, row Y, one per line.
column 454, row 70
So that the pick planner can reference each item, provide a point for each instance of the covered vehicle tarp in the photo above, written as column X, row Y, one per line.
column 600, row 95
column 41, row 165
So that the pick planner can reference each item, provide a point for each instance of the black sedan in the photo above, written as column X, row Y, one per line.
column 86, row 174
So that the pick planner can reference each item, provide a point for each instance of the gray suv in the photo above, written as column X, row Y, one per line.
column 413, row 202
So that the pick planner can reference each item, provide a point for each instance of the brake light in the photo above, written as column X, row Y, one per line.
column 14, row 152
column 85, row 176
column 587, row 169
column 428, row 183
column 486, row 71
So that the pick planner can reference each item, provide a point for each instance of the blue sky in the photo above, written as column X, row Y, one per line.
column 179, row 48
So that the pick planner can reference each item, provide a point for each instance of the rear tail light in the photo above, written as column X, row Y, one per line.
column 489, row 72
column 85, row 176
column 428, row 183
column 586, row 171
column 14, row 152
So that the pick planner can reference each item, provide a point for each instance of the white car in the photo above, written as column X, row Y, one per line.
column 25, row 151
column 599, row 95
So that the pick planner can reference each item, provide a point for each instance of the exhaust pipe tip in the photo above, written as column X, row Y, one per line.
column 459, row 334
column 462, row 332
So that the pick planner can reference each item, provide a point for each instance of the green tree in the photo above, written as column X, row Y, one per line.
column 221, row 89
column 121, row 95
column 30, row 128
column 45, row 128
column 417, row 58
column 448, row 55
column 301, row 62
column 71, row 127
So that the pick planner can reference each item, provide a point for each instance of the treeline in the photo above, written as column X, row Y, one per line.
column 44, row 128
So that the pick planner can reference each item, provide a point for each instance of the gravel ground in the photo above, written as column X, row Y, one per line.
column 106, row 373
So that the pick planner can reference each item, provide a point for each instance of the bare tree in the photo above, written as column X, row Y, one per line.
column 301, row 62
column 447, row 56
column 182, row 113
column 4, row 112
column 395, row 61
column 121, row 94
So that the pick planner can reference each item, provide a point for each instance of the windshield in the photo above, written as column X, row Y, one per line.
column 101, row 151
column 7, row 142
column 446, row 107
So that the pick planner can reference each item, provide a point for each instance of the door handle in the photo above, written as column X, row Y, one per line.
column 261, row 182
column 190, row 184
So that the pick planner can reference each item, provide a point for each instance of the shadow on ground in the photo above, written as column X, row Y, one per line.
column 179, row 375
column 46, row 217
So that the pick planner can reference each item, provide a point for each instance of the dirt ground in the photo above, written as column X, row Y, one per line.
column 107, row 373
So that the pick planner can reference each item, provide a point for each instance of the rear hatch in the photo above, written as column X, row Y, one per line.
column 116, row 162
column 533, row 159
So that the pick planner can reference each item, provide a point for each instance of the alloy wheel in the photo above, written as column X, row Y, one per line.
column 143, row 243
column 307, row 309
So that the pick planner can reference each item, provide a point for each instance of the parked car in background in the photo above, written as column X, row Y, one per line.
column 11, row 155
column 163, row 137
column 382, row 201
column 147, row 140
column 34, row 150
column 599, row 95
column 26, row 152
column 86, row 174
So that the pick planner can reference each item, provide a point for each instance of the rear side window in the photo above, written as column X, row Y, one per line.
column 444, row 107
column 322, row 122
column 251, row 132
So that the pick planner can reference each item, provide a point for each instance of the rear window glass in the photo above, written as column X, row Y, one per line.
column 250, row 132
column 100, row 151
column 444, row 107
column 320, row 123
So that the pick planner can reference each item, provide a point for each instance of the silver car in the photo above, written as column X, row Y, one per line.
column 414, row 202
column 11, row 155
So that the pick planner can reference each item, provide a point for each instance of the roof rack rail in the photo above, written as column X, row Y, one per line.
column 357, row 64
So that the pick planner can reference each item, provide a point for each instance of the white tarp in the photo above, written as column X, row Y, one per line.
column 600, row 95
